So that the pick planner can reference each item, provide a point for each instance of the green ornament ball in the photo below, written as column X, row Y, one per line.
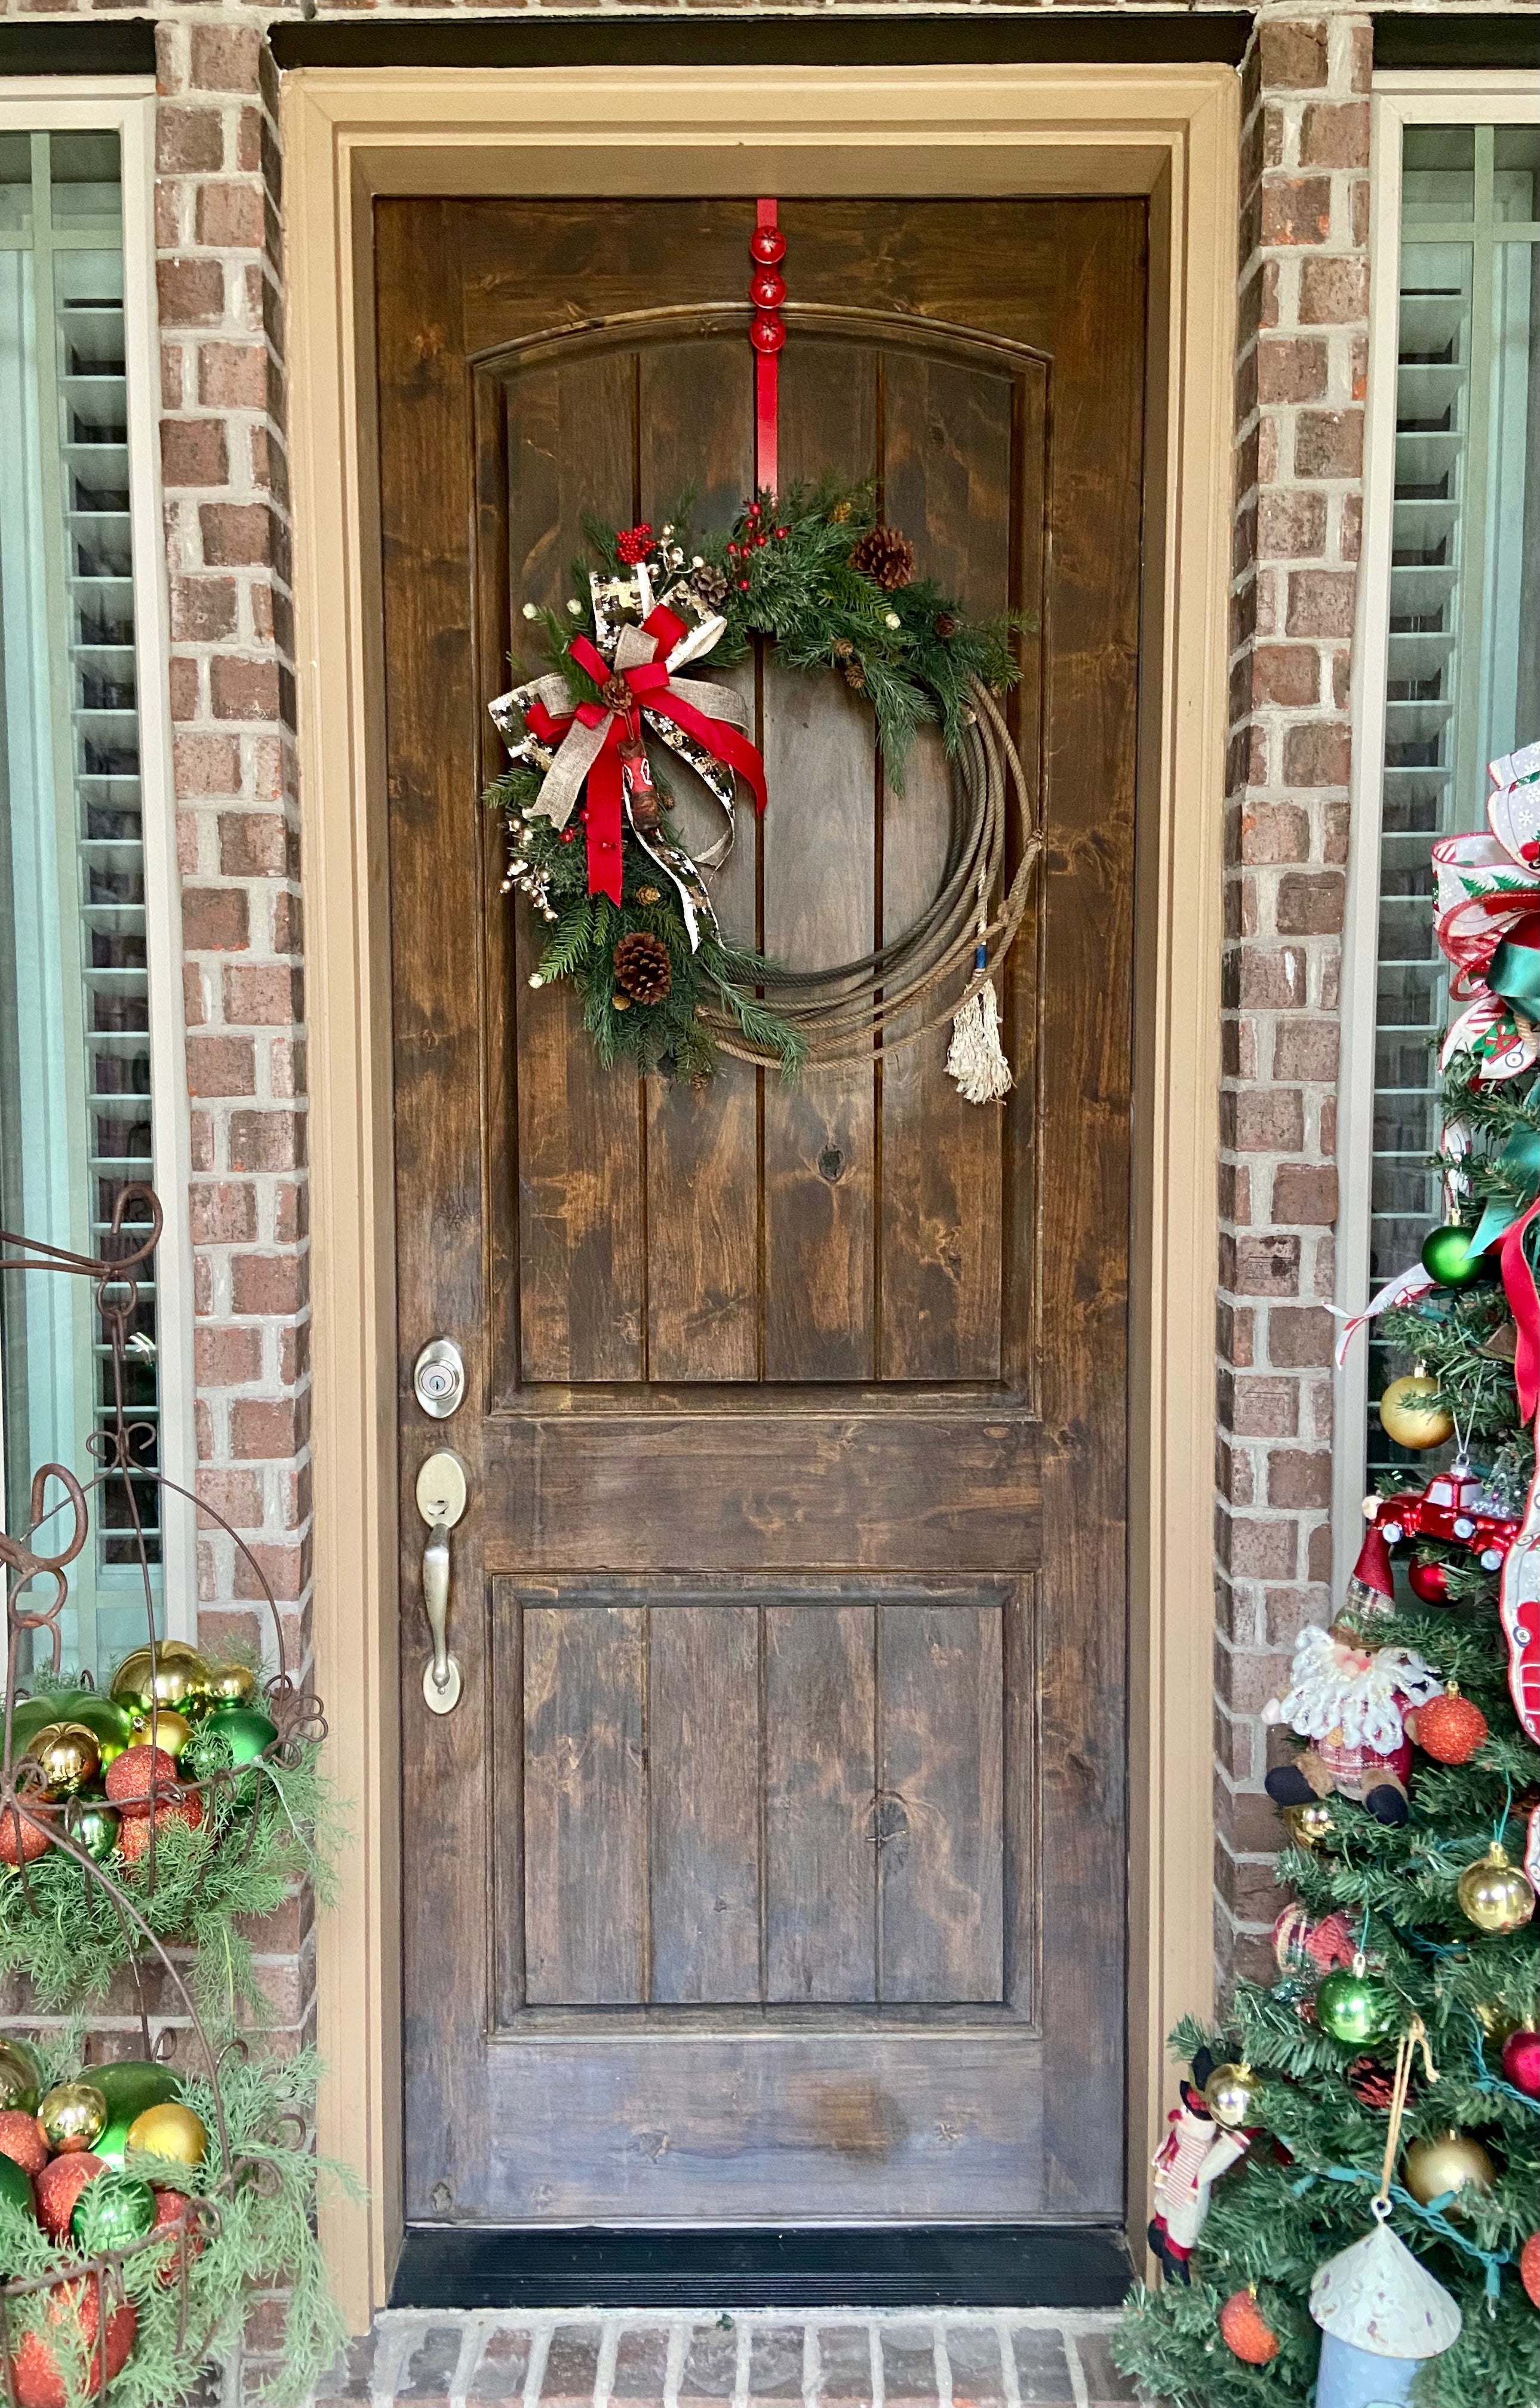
column 113, row 2212
column 95, row 1830
column 129, row 2085
column 1352, row 2007
column 1447, row 1258
column 245, row 1731
column 15, row 2186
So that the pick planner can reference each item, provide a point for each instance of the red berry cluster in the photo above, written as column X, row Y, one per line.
column 754, row 538
column 633, row 544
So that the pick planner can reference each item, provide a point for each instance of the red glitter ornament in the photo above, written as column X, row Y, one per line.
column 1528, row 2267
column 1246, row 2330
column 21, row 1841
column 1369, row 2082
column 60, row 2185
column 170, row 2208
column 22, row 2136
column 134, row 1834
column 132, row 1776
column 75, row 2311
column 1448, row 1728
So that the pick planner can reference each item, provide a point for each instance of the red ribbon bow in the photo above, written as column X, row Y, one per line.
column 649, row 688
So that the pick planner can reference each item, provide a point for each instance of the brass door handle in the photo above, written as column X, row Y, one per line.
column 442, row 1488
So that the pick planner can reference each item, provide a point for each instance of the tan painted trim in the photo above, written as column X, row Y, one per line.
column 1171, row 133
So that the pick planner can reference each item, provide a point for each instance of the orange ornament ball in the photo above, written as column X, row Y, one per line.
column 21, row 1841
column 73, row 2309
column 170, row 2208
column 60, row 2185
column 134, row 1832
column 1528, row 2267
column 23, row 2139
column 1448, row 1728
column 131, row 1776
column 1246, row 2332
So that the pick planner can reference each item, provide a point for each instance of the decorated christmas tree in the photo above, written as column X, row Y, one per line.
column 1349, row 2197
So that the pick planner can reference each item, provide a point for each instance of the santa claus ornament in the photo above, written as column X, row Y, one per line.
column 1349, row 1702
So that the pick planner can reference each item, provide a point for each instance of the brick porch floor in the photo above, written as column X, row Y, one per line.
column 822, row 2358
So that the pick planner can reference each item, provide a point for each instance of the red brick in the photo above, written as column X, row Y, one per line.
column 287, row 923
column 1234, row 1744
column 238, row 535
column 286, row 1060
column 1319, row 753
column 1247, row 1887
column 255, row 844
column 1258, row 1407
column 285, row 1569
column 226, row 1358
column 224, row 1215
column 1292, row 56
column 291, row 1213
column 235, row 1495
column 267, row 1284
column 243, row 689
column 1264, row 1266
column 1275, row 832
column 1300, row 1337
column 1256, row 1548
column 231, row 217
column 188, row 141
column 1235, row 1193
column 1329, row 443
column 1297, row 1480
column 1334, row 291
column 1287, row 674
column 233, row 376
column 190, row 291
column 1233, row 1476
column 1263, row 978
column 207, row 765
column 267, row 1140
column 220, row 1066
column 193, row 452
column 1304, row 1195
column 1321, row 601
column 214, row 919
column 1290, row 526
column 1334, row 133
column 1264, row 1120
column 268, row 1430
column 1290, row 368
column 225, row 58
column 203, row 609
column 293, row 1354
column 182, row 677
column 1295, row 210
column 263, row 995
column 1302, row 1049
column 1310, row 903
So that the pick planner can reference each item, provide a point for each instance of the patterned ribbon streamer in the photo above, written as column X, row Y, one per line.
column 599, row 745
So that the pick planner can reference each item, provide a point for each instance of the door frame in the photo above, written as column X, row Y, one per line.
column 349, row 135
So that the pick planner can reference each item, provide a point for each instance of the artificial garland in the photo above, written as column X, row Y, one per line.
column 211, row 1830
column 626, row 912
column 158, row 2242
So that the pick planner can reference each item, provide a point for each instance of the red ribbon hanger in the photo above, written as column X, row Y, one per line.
column 767, row 291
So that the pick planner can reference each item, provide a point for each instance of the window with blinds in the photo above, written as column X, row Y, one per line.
column 74, row 1044
column 1462, row 676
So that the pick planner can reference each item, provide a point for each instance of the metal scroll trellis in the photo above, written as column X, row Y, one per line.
column 37, row 1562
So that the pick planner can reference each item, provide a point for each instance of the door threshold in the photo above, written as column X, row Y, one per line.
column 771, row 2266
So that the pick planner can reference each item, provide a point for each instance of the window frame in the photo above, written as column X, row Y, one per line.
column 1398, row 100
column 125, row 105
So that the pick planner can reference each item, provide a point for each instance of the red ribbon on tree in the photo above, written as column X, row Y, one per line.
column 767, row 291
column 627, row 688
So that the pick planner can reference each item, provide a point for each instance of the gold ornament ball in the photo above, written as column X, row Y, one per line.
column 173, row 1674
column 1405, row 1416
column 1229, row 2094
column 72, row 2116
column 1449, row 2161
column 68, row 1755
column 1498, row 2020
column 1308, row 1825
column 19, row 2076
column 1494, row 1895
column 230, row 1684
column 172, row 1730
column 172, row 2131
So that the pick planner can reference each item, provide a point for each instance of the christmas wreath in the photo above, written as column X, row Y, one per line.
column 626, row 910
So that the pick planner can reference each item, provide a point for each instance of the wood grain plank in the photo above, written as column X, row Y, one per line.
column 581, row 1274
column 941, row 1795
column 703, row 1756
column 946, row 482
column 820, row 1856
column 820, row 910
column 585, row 1804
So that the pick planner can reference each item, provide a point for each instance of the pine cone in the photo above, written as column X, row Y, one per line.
column 886, row 557
column 945, row 626
column 642, row 968
column 710, row 584
column 854, row 676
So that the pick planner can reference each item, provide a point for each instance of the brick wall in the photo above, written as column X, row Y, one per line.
column 1303, row 265
column 1299, row 411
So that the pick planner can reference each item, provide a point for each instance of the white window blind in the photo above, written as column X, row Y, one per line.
column 75, row 1023
column 1462, row 650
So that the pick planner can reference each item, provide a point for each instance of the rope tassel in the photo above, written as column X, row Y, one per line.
column 975, row 1059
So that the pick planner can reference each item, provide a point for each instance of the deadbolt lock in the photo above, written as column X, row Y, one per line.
column 438, row 1379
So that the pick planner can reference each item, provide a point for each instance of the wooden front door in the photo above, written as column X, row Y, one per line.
column 772, row 1867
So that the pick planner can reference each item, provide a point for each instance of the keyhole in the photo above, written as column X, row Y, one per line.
column 831, row 1162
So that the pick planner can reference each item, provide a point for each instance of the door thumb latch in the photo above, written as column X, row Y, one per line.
column 441, row 1493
